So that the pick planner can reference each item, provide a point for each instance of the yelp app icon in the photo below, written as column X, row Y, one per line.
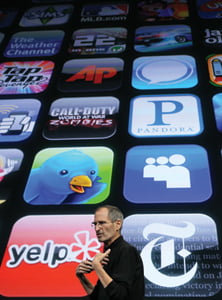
column 49, row 246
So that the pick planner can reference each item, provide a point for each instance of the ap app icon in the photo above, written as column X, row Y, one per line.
column 167, row 174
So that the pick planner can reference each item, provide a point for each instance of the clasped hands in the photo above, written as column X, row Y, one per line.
column 86, row 266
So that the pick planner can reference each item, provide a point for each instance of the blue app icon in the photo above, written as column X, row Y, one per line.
column 18, row 118
column 167, row 174
column 162, row 38
column 164, row 72
column 217, row 104
column 209, row 9
column 165, row 115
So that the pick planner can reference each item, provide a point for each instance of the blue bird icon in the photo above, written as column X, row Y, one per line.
column 70, row 177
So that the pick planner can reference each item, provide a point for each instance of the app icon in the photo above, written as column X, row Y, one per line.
column 209, row 9
column 47, row 260
column 167, row 174
column 7, row 16
column 213, row 37
column 87, row 75
column 46, row 15
column 34, row 43
column 5, row 194
column 217, row 104
column 164, row 72
column 10, row 162
column 25, row 77
column 79, row 175
column 104, row 12
column 1, row 37
column 17, row 118
column 82, row 118
column 168, row 10
column 162, row 38
column 91, row 41
column 180, row 253
column 165, row 115
column 214, row 63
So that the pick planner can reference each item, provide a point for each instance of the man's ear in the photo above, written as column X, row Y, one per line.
column 118, row 225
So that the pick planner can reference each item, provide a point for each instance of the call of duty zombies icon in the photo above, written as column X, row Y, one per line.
column 25, row 77
column 82, row 118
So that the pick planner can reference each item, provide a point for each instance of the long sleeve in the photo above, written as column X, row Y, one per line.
column 126, row 275
column 126, row 269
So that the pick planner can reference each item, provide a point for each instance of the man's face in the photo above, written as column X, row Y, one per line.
column 106, row 230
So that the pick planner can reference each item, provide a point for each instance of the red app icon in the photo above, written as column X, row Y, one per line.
column 84, row 75
column 43, row 253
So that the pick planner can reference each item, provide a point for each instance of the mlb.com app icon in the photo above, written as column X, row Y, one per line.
column 42, row 254
column 167, row 174
column 84, row 75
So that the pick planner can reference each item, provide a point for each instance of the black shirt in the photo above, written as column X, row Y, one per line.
column 126, row 269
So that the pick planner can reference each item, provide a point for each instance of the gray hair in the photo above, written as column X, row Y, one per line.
column 114, row 212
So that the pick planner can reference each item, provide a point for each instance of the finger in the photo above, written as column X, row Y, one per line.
column 85, row 269
column 107, row 252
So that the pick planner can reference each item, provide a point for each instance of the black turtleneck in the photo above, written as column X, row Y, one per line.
column 125, row 267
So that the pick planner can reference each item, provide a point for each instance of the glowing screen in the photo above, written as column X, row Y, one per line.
column 110, row 102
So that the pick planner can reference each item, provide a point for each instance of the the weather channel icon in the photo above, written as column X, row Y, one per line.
column 34, row 43
column 180, row 254
column 170, row 115
column 70, row 176
column 164, row 72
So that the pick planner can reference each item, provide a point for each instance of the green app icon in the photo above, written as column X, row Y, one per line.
column 80, row 175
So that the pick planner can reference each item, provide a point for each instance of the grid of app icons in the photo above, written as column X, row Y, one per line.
column 116, row 102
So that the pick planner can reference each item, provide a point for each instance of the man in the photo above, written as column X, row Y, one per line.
column 119, row 268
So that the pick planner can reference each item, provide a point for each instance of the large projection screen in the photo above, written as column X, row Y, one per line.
column 110, row 102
